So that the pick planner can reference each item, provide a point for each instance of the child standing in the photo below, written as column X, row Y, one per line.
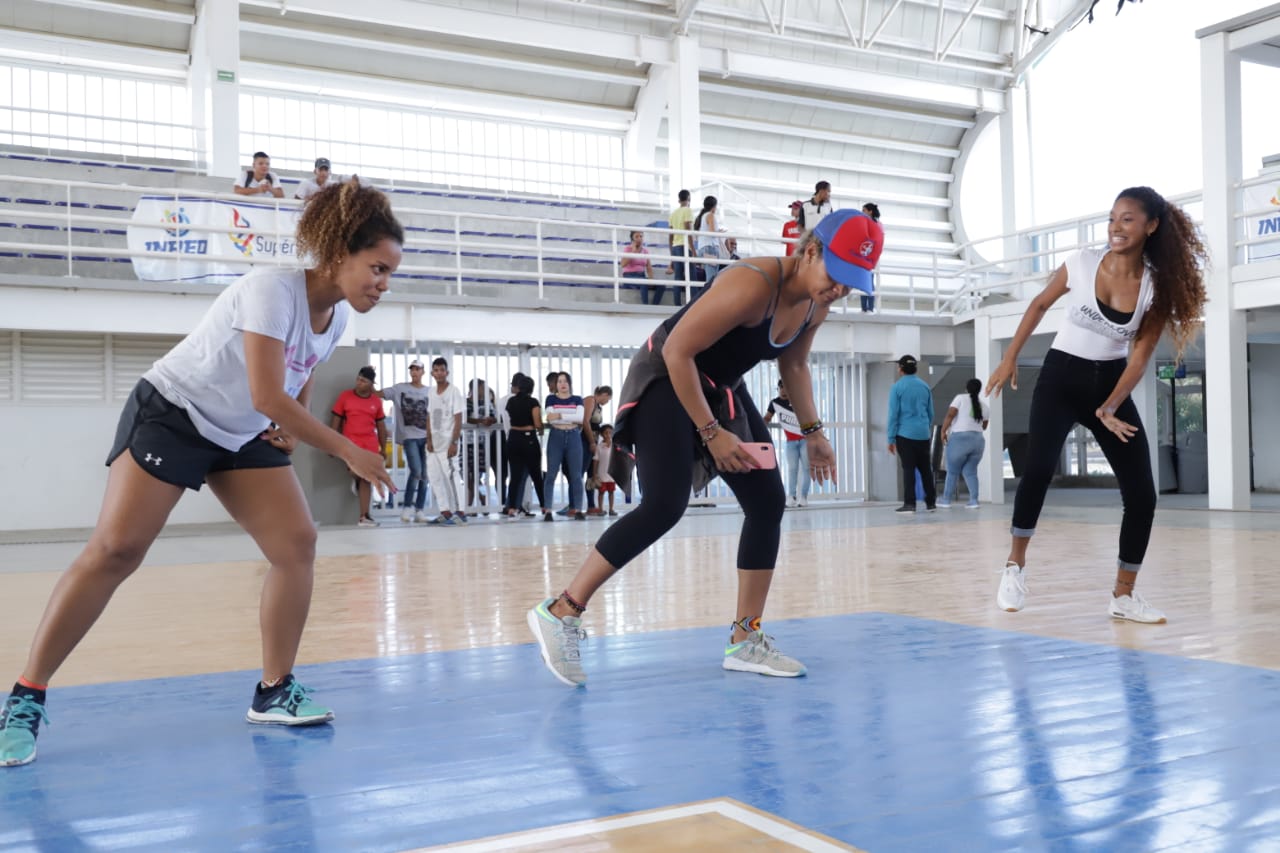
column 604, row 454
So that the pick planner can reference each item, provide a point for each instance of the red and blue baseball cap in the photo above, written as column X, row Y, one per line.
column 851, row 245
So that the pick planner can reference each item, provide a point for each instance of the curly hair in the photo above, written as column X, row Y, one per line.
column 344, row 219
column 1177, row 257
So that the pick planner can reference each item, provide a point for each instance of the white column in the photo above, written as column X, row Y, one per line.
column 987, row 353
column 214, row 81
column 684, row 124
column 640, row 145
column 1144, row 396
column 1225, row 338
column 1015, row 171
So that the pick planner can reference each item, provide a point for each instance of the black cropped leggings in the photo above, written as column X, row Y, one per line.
column 665, row 445
column 1069, row 392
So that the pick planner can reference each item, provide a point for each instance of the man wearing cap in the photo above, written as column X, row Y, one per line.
column 411, row 399
column 358, row 415
column 322, row 177
column 910, row 425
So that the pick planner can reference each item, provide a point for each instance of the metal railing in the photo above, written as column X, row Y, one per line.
column 79, row 229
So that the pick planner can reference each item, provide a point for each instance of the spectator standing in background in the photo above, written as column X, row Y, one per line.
column 707, row 224
column 792, row 229
column 680, row 245
column 797, row 451
column 816, row 209
column 358, row 415
column 636, row 265
column 910, row 425
column 445, row 407
column 410, row 400
column 869, row 299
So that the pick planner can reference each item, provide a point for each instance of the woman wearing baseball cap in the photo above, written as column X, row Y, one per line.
column 684, row 415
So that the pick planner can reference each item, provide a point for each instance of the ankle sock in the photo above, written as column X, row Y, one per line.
column 24, row 688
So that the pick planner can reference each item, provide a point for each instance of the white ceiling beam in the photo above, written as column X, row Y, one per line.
column 768, row 16
column 69, row 50
column 835, row 105
column 870, row 84
column 937, row 33
column 360, row 88
column 963, row 23
column 789, row 187
column 684, row 15
column 168, row 12
column 486, row 26
column 271, row 28
column 848, row 25
column 1259, row 33
column 820, row 163
column 842, row 137
column 1056, row 34
column 883, row 21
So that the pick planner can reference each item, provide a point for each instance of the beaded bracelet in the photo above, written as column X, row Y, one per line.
column 708, row 432
column 810, row 429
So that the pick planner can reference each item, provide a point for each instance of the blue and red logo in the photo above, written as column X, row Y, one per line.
column 242, row 240
column 177, row 220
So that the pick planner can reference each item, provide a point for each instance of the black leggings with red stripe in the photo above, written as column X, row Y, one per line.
column 665, row 445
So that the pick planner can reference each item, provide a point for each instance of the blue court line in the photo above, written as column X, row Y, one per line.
column 908, row 734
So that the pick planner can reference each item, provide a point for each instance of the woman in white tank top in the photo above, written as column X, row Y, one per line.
column 1119, row 301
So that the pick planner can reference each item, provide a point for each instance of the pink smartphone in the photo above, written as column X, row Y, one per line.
column 762, row 452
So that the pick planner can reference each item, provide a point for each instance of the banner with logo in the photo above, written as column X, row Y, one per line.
column 1264, row 224
column 207, row 239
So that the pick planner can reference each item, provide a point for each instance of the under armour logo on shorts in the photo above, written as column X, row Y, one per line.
column 154, row 460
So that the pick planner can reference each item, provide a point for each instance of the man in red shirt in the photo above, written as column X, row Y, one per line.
column 359, row 416
column 791, row 230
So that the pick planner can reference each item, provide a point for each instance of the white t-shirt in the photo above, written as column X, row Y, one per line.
column 1087, row 333
column 815, row 213
column 205, row 373
column 308, row 187
column 249, row 182
column 965, row 421
column 441, row 407
column 411, row 409
column 604, row 453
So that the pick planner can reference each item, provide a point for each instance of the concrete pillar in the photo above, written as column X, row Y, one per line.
column 1144, row 396
column 1225, row 335
column 987, row 353
column 1015, row 173
column 214, row 81
column 684, row 127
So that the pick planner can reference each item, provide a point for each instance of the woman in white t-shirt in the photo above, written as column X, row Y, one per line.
column 1119, row 300
column 225, row 407
column 962, row 430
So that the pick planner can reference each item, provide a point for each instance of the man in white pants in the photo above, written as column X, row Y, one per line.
column 445, row 406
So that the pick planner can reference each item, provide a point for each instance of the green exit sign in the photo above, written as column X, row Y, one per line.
column 226, row 76
column 1167, row 371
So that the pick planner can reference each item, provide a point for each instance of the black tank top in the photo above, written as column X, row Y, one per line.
column 743, row 347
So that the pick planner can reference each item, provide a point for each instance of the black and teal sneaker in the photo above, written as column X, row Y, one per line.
column 19, row 724
column 286, row 704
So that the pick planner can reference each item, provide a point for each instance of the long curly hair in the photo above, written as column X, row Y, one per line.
column 1177, row 257
column 344, row 219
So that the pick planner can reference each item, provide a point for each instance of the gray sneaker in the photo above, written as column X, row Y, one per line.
column 757, row 654
column 558, row 641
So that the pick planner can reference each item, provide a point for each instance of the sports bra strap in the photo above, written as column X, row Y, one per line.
column 777, row 285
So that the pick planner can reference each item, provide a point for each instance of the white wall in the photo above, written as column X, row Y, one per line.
column 54, row 472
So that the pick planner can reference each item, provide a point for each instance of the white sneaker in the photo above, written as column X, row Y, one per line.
column 1136, row 609
column 407, row 516
column 802, row 502
column 366, row 521
column 943, row 504
column 791, row 502
column 420, row 517
column 1013, row 588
